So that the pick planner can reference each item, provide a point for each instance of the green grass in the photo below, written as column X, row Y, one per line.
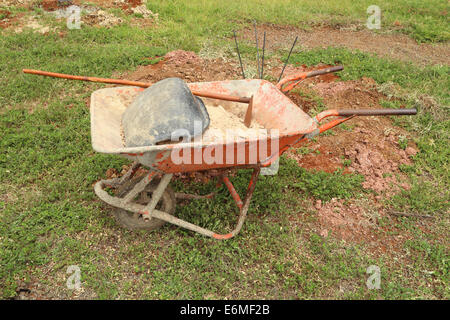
column 424, row 21
column 100, row 54
column 50, row 217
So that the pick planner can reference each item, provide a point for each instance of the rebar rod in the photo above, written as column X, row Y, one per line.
column 257, row 50
column 262, row 59
column 239, row 54
column 282, row 71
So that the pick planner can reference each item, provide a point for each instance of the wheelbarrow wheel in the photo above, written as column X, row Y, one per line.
column 134, row 221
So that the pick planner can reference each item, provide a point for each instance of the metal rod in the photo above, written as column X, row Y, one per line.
column 262, row 59
column 205, row 94
column 257, row 49
column 239, row 55
column 282, row 71
column 156, row 196
column 377, row 112
column 295, row 79
column 324, row 71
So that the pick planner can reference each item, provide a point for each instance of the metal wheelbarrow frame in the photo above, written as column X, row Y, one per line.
column 270, row 107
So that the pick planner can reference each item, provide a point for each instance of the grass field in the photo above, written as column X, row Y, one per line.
column 50, row 217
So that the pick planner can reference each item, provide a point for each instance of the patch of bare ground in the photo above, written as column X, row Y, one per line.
column 397, row 46
column 92, row 15
column 50, row 5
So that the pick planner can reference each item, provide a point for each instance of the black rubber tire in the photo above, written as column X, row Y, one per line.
column 134, row 221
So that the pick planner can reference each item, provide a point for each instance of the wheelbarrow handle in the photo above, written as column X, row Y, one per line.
column 324, row 71
column 377, row 112
column 297, row 78
column 347, row 114
column 364, row 112
column 205, row 94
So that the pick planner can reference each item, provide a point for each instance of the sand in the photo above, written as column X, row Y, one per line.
column 223, row 126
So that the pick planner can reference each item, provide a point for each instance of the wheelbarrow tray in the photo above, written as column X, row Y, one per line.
column 286, row 122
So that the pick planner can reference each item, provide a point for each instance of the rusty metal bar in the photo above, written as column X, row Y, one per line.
column 347, row 114
column 377, row 112
column 289, row 55
column 257, row 49
column 262, row 59
column 133, row 83
column 244, row 208
column 302, row 76
column 239, row 54
column 324, row 71
column 233, row 191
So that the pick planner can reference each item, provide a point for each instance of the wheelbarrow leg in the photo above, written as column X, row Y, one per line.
column 139, row 187
column 243, row 206
column 150, row 210
column 156, row 196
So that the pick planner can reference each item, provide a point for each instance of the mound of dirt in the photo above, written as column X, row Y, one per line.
column 101, row 18
column 347, row 221
column 181, row 57
column 357, row 221
column 187, row 66
column 52, row 5
column 372, row 146
column 380, row 171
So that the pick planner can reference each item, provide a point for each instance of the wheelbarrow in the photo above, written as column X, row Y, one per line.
column 147, row 202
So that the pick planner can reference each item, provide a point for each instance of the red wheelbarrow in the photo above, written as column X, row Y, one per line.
column 147, row 201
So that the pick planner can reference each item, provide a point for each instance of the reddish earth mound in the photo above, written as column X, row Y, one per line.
column 369, row 145
column 185, row 65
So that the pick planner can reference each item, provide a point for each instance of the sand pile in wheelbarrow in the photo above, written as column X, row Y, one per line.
column 226, row 125
column 168, row 110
